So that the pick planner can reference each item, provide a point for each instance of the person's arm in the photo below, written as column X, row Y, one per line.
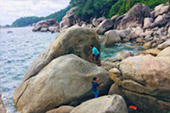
column 91, row 55
column 101, row 84
column 89, row 51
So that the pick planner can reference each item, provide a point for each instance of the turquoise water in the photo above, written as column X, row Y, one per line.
column 18, row 50
column 118, row 49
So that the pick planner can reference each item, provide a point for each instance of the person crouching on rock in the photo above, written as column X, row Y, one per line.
column 95, row 85
column 94, row 53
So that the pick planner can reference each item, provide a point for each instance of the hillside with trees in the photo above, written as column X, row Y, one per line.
column 26, row 21
column 96, row 8
column 88, row 9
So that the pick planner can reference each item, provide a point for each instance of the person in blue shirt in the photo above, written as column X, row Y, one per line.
column 94, row 53
column 95, row 85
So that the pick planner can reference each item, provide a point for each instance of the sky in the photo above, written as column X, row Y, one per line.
column 10, row 10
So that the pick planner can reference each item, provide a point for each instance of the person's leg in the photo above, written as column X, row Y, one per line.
column 91, row 58
column 96, row 93
column 97, row 60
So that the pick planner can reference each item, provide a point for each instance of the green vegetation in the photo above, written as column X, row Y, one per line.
column 88, row 9
column 122, row 6
column 97, row 8
column 92, row 8
column 26, row 21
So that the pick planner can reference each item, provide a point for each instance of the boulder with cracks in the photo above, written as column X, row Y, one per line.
column 144, row 81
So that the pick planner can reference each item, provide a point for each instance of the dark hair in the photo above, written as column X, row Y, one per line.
column 94, row 78
column 92, row 45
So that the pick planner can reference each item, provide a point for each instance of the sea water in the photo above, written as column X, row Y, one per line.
column 20, row 46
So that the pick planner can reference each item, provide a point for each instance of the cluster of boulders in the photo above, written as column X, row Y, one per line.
column 139, row 25
column 51, row 25
column 59, row 79
column 69, row 19
column 143, row 80
column 62, row 75
column 46, row 25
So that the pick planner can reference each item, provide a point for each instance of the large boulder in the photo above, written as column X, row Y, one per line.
column 48, row 22
column 69, row 19
column 135, row 15
column 164, row 45
column 44, row 29
column 147, row 45
column 124, row 34
column 104, row 26
column 110, row 38
column 36, row 28
column 144, row 81
column 43, row 25
column 153, row 52
column 65, row 80
column 105, row 104
column 2, row 107
column 54, row 29
column 114, row 18
column 74, row 40
column 147, row 22
column 110, row 63
column 161, row 9
column 136, row 32
column 165, row 52
column 161, row 20
column 96, row 22
column 62, row 109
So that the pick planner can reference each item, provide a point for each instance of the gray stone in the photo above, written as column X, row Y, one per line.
column 165, row 52
column 164, row 45
column 144, row 82
column 44, row 24
column 114, row 89
column 104, row 26
column 105, row 104
column 65, row 80
column 62, row 109
column 161, row 9
column 69, row 19
column 44, row 29
column 147, row 22
column 54, row 29
column 161, row 20
column 135, row 15
column 110, row 63
column 114, row 18
column 96, row 22
column 110, row 38
column 76, row 40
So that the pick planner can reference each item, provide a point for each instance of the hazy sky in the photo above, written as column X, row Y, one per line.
column 10, row 10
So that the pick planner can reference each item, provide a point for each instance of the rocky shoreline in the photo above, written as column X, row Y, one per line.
column 139, row 25
column 62, row 75
column 59, row 79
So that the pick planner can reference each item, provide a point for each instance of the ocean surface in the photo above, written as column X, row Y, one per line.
column 19, row 48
